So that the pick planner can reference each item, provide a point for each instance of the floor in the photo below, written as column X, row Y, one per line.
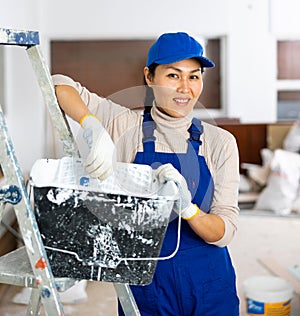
column 262, row 237
column 258, row 237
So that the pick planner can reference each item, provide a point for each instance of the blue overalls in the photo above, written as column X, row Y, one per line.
column 199, row 280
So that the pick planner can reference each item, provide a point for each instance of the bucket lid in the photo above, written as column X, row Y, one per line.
column 268, row 289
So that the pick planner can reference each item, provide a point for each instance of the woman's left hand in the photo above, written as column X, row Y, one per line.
column 183, row 205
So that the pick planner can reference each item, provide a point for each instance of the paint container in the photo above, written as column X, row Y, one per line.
column 110, row 230
column 268, row 295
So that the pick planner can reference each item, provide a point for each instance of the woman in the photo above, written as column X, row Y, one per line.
column 202, row 160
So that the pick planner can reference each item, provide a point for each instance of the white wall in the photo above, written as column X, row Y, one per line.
column 249, row 26
column 251, row 63
column 22, row 98
column 132, row 18
column 285, row 20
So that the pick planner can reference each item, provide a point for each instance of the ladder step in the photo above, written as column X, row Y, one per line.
column 19, row 37
column 15, row 269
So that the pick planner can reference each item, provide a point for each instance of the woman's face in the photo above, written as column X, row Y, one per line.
column 176, row 86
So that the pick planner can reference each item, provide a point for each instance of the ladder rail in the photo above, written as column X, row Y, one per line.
column 126, row 299
column 2, row 206
column 28, row 225
column 34, row 303
column 58, row 118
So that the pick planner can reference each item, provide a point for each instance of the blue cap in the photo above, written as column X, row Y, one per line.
column 172, row 47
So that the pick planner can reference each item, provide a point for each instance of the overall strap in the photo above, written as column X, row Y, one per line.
column 148, row 132
column 195, row 130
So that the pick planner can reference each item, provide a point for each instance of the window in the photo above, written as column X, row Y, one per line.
column 211, row 95
column 288, row 80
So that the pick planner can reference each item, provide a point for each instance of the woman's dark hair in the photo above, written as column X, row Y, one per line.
column 149, row 97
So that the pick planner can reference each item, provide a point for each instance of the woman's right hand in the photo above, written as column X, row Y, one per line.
column 99, row 162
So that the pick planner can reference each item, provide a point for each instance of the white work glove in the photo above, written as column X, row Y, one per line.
column 99, row 162
column 183, row 205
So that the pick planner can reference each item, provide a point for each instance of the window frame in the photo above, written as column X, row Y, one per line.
column 285, row 85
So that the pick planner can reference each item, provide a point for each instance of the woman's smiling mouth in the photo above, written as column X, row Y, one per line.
column 182, row 101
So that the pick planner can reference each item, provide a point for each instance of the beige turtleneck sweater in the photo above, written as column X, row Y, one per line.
column 218, row 147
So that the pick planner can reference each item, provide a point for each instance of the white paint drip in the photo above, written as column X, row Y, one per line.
column 3, row 36
column 99, row 273
column 60, row 197
column 145, row 240
column 27, row 236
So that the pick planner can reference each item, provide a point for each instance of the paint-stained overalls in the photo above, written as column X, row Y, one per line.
column 199, row 280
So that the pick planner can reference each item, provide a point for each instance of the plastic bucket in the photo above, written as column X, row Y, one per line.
column 268, row 295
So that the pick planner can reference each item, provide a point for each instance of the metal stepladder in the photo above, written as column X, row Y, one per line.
column 28, row 266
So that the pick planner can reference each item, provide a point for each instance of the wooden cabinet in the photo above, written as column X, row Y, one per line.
column 251, row 138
